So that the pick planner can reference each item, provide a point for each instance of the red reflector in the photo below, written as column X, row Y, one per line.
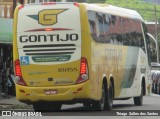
column 20, row 7
column 74, row 92
column 76, row 4
column 79, row 89
column 18, row 68
column 48, row 3
column 22, row 91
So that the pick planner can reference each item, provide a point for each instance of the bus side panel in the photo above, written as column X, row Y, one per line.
column 86, row 46
column 15, row 50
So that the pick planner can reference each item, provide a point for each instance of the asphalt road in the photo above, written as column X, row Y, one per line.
column 121, row 109
column 150, row 107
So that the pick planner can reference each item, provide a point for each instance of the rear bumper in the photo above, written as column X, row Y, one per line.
column 65, row 94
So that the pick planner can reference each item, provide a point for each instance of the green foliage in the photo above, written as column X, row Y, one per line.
column 96, row 1
column 145, row 9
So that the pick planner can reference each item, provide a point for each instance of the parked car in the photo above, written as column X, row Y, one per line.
column 155, row 72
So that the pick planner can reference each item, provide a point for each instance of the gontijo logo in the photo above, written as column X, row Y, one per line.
column 48, row 16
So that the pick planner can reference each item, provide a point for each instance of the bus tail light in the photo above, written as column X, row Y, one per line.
column 19, row 79
column 83, row 71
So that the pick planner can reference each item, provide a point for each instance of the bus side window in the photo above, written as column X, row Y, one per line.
column 126, row 38
column 140, row 35
column 142, row 42
column 133, row 33
column 100, row 27
column 92, row 19
column 148, row 43
column 106, row 28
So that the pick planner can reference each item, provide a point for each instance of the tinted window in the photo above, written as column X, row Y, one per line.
column 92, row 22
column 107, row 28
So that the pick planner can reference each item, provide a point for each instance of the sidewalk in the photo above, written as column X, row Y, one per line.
column 11, row 102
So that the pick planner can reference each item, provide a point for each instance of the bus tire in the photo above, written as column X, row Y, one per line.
column 109, row 98
column 139, row 100
column 100, row 104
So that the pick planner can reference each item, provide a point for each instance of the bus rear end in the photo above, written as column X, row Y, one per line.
column 48, row 60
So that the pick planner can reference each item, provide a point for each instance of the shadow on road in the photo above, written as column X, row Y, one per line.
column 87, row 111
column 122, row 106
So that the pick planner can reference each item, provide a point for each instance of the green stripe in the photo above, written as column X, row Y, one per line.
column 130, row 67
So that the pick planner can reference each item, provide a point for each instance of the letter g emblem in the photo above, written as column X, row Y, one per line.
column 49, row 17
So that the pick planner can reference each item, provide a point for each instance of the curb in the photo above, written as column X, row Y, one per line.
column 5, row 104
column 156, row 95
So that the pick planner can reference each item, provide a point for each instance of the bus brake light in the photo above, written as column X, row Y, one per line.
column 83, row 71
column 18, row 68
column 83, row 66
column 19, row 80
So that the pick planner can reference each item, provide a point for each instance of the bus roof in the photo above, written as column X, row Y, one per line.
column 118, row 11
column 106, row 8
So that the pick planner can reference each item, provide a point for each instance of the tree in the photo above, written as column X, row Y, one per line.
column 76, row 0
column 96, row 1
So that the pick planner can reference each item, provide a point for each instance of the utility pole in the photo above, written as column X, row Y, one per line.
column 156, row 34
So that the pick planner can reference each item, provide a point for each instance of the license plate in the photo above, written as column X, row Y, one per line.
column 50, row 92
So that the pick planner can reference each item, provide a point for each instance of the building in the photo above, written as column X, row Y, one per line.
column 151, row 28
column 6, row 8
column 6, row 25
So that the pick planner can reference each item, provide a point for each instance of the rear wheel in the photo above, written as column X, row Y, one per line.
column 109, row 101
column 100, row 104
column 106, row 101
column 139, row 100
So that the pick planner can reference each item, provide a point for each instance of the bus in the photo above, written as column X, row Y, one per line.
column 69, row 52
